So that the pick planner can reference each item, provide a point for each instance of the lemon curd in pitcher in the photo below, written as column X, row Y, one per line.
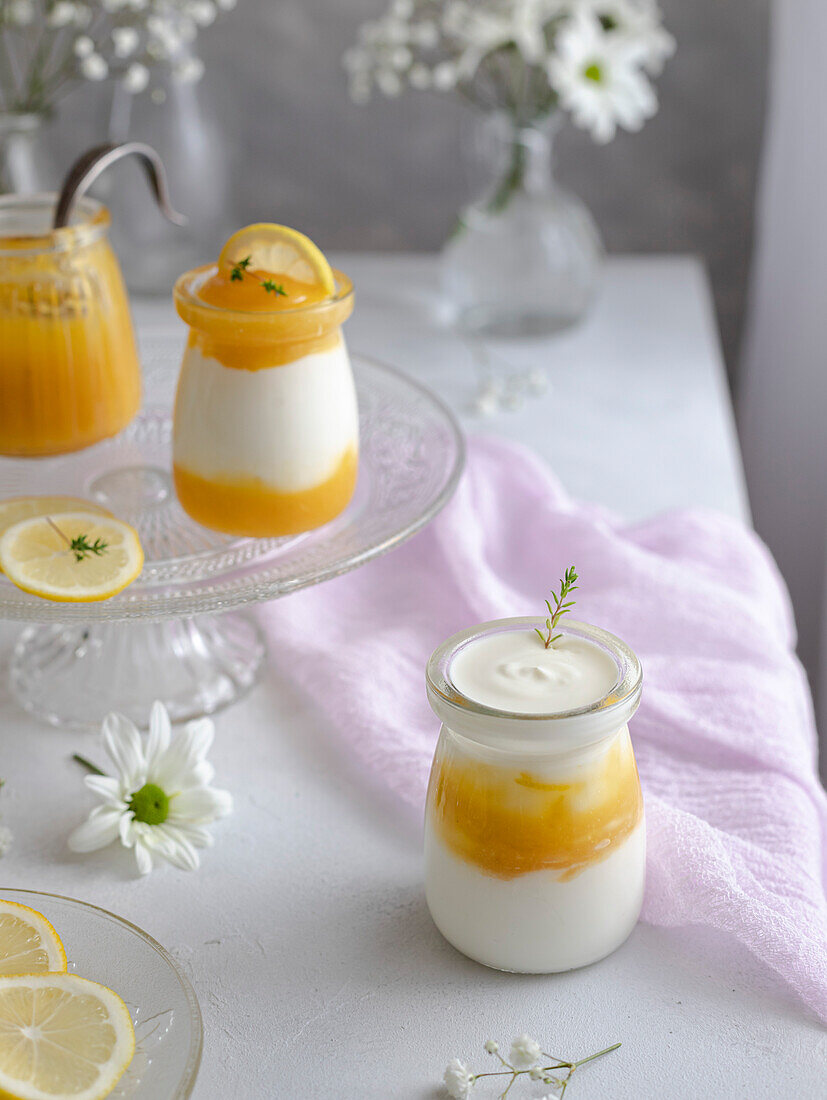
column 69, row 374
column 266, row 431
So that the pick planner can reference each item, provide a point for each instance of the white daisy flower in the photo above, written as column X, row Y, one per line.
column 599, row 80
column 638, row 23
column 525, row 1052
column 160, row 799
column 458, row 1079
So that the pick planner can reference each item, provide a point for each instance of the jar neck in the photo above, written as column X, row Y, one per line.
column 519, row 157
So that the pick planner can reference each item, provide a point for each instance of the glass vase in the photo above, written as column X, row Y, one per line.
column 526, row 257
column 20, row 169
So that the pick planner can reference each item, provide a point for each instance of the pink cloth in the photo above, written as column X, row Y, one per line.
column 724, row 735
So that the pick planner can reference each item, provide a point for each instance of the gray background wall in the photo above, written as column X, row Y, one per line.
column 394, row 173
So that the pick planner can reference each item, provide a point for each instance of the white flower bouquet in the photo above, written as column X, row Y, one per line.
column 591, row 58
column 526, row 255
column 51, row 46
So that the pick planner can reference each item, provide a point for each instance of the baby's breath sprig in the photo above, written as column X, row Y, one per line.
column 240, row 268
column 568, row 584
column 80, row 546
column 524, row 1060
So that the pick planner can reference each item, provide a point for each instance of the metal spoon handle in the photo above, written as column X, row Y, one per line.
column 88, row 167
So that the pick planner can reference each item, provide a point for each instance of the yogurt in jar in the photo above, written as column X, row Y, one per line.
column 534, row 834
column 266, row 425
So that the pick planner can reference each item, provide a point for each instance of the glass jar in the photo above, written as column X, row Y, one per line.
column 526, row 257
column 535, row 842
column 69, row 374
column 266, row 426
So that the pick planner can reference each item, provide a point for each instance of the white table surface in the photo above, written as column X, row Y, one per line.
column 305, row 933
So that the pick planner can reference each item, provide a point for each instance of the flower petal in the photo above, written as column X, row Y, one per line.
column 123, row 743
column 186, row 750
column 176, row 849
column 196, row 834
column 109, row 789
column 143, row 857
column 100, row 829
column 159, row 734
column 200, row 805
column 126, row 829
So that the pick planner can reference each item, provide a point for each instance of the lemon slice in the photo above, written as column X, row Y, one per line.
column 47, row 556
column 16, row 508
column 279, row 250
column 28, row 943
column 61, row 1038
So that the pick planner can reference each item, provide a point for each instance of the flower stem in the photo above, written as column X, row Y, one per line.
column 599, row 1054
column 95, row 770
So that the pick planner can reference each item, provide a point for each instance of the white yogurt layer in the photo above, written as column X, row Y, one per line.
column 512, row 670
column 536, row 923
column 288, row 425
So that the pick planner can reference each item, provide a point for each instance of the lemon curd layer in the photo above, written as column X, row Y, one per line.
column 249, row 507
column 510, row 821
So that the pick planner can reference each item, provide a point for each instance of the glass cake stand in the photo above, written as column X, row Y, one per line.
column 176, row 634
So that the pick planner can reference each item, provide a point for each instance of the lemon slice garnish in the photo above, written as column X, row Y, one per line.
column 15, row 509
column 46, row 556
column 28, row 943
column 279, row 250
column 61, row 1038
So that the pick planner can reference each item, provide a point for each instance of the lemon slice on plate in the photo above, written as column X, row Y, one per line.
column 15, row 509
column 28, row 943
column 61, row 1038
column 76, row 557
column 279, row 250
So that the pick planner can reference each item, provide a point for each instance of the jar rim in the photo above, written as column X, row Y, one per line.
column 583, row 725
column 186, row 296
column 91, row 221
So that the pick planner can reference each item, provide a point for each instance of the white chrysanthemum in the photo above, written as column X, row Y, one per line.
column 525, row 1052
column 136, row 78
column 94, row 67
column 160, row 799
column 125, row 41
column 599, row 80
column 458, row 1079
column 638, row 24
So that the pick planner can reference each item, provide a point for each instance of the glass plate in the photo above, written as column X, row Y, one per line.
column 164, row 1009
column 411, row 456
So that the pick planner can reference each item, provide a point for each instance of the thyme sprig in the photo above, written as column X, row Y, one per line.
column 80, row 546
column 568, row 584
column 240, row 268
